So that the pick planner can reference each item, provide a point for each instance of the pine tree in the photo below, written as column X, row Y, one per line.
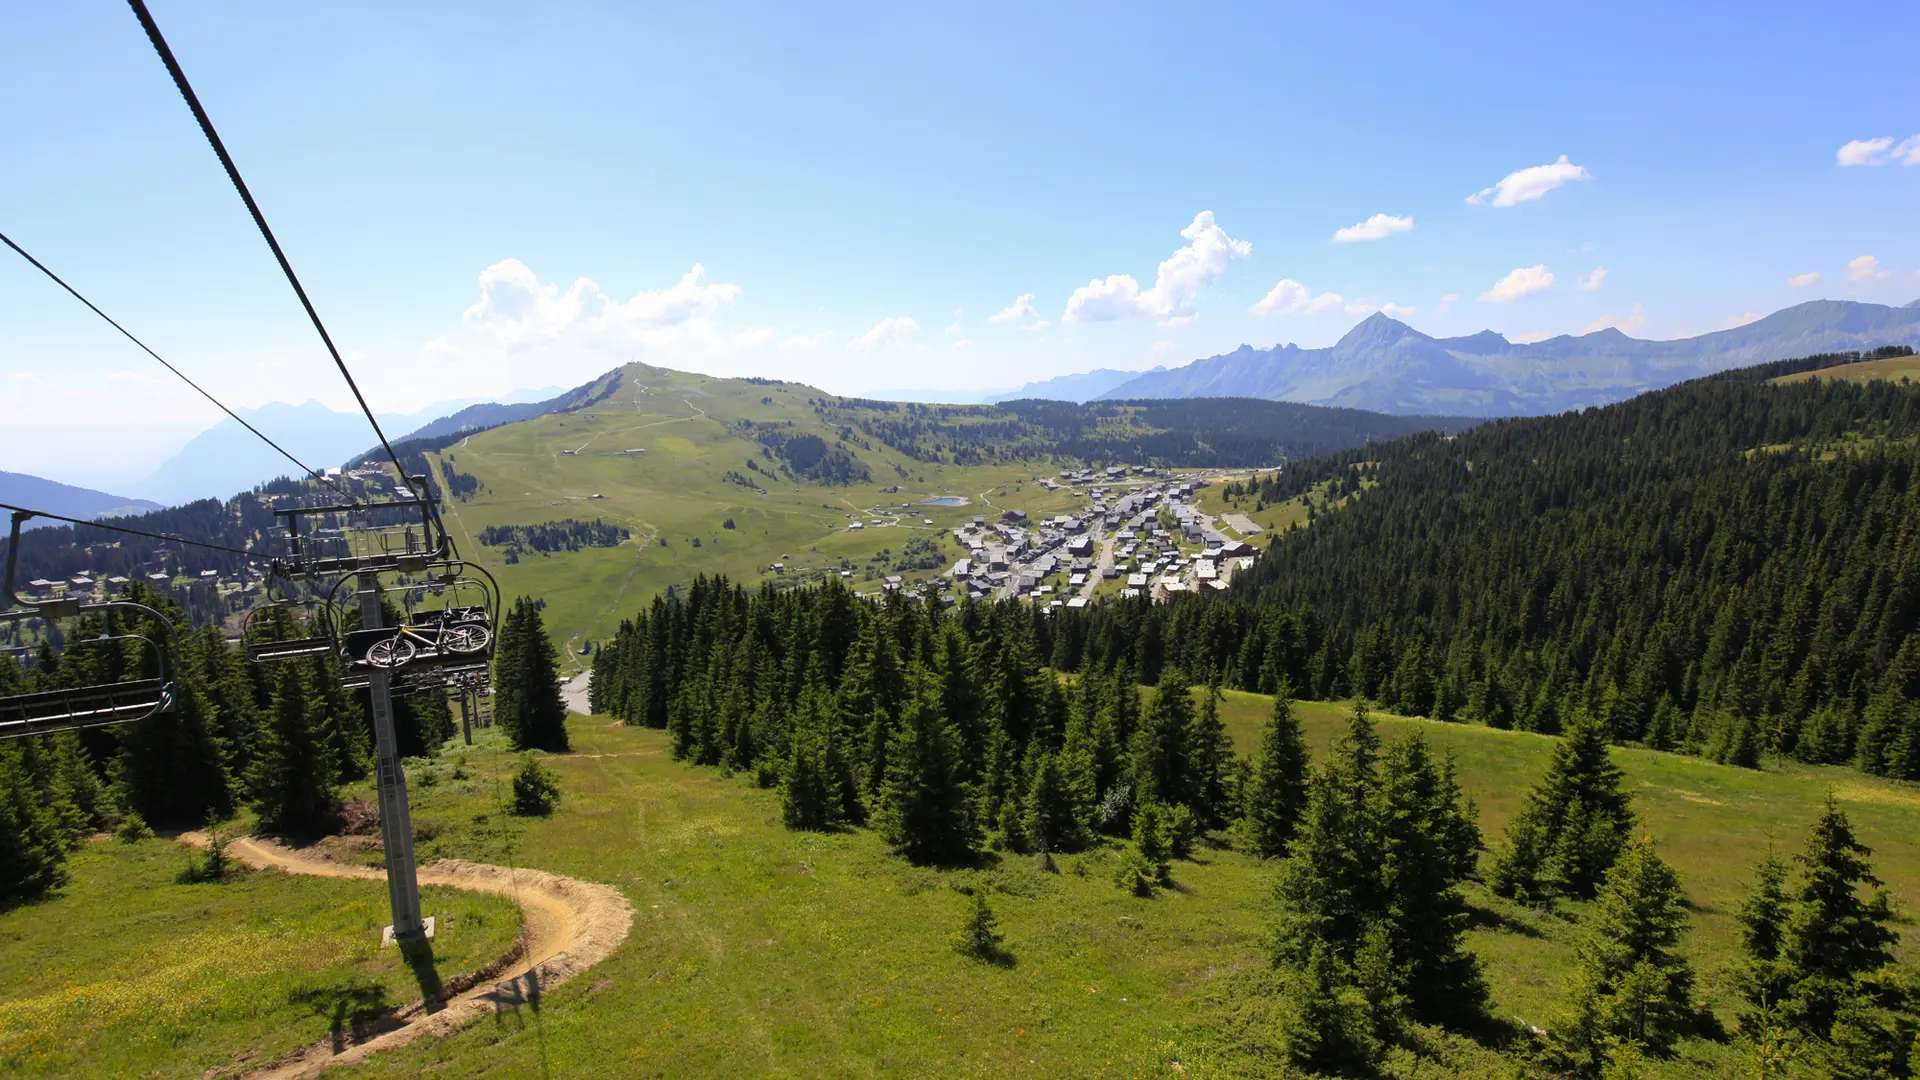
column 1573, row 825
column 810, row 784
column 1162, row 768
column 1763, row 926
column 293, row 767
column 924, row 811
column 32, row 850
column 1055, row 815
column 1836, row 936
column 1150, row 840
column 1631, row 984
column 1278, row 793
column 1210, row 756
column 526, row 683
column 1421, row 818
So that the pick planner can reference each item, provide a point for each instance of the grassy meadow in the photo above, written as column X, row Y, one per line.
column 1895, row 368
column 758, row 951
column 126, row 972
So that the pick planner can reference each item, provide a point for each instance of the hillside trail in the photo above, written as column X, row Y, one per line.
column 567, row 926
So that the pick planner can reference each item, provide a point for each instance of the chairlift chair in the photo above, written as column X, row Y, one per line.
column 96, row 705
column 264, row 647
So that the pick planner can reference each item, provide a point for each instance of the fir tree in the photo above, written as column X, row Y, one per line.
column 1055, row 815
column 1162, row 767
column 924, row 811
column 810, row 796
column 1422, row 819
column 1763, row 926
column 526, row 684
column 1631, row 984
column 1573, row 825
column 32, row 850
column 293, row 767
column 1836, row 936
column 1210, row 757
column 1278, row 792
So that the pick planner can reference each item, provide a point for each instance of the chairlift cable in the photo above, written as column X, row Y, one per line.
column 233, row 173
column 131, row 532
column 75, row 293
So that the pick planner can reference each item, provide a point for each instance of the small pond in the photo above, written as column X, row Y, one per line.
column 943, row 500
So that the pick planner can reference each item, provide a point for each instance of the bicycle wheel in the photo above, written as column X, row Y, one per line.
column 390, row 652
column 465, row 638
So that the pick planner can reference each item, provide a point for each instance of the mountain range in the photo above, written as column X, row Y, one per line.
column 1387, row 366
column 19, row 489
column 1080, row 388
column 227, row 458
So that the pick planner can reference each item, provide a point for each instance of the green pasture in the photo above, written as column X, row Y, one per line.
column 126, row 972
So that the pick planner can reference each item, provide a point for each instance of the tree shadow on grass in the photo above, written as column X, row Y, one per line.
column 1486, row 918
column 355, row 1010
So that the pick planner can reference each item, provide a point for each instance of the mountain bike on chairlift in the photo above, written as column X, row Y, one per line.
column 458, row 631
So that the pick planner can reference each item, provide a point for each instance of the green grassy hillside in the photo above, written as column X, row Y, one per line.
column 1893, row 368
column 677, row 494
column 759, row 951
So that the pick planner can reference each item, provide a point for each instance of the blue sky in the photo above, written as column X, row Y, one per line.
column 864, row 188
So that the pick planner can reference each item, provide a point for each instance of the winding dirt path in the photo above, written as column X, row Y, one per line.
column 568, row 926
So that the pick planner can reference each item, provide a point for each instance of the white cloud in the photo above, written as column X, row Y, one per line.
column 1377, row 227
column 1360, row 307
column 1801, row 281
column 1446, row 303
column 1181, row 278
column 884, row 332
column 1526, row 185
column 1396, row 311
column 1864, row 151
column 766, row 337
column 958, row 325
column 518, row 309
column 1021, row 308
column 1626, row 326
column 1528, row 339
column 1179, row 320
column 1742, row 320
column 1592, row 281
column 1524, row 281
column 963, row 343
column 442, row 349
column 1866, row 268
column 1908, row 152
column 1041, row 325
column 1292, row 298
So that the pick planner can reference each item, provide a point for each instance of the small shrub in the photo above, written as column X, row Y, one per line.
column 1137, row 874
column 359, row 818
column 980, row 936
column 212, row 866
column 536, row 791
column 133, row 828
column 1180, row 828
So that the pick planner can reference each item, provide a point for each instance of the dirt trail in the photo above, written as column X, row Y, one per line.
column 568, row 926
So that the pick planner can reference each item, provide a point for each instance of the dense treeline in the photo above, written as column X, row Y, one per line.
column 809, row 457
column 570, row 534
column 1724, row 567
column 1188, row 433
column 942, row 728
